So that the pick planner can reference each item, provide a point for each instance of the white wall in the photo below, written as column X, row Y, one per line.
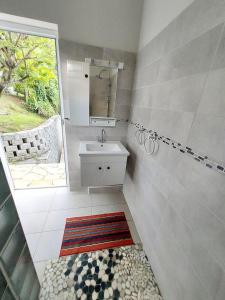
column 176, row 202
column 157, row 14
column 104, row 23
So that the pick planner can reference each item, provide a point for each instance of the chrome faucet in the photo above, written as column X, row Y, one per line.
column 102, row 138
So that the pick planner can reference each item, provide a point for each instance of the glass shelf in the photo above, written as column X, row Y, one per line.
column 28, row 283
column 13, row 249
column 8, row 220
column 3, row 284
column 35, row 291
column 18, row 279
column 19, row 274
column 7, row 295
column 4, row 191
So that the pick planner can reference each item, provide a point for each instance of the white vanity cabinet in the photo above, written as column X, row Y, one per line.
column 103, row 167
column 103, row 173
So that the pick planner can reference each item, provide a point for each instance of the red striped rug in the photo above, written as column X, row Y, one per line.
column 91, row 233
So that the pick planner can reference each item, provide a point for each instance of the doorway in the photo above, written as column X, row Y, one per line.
column 31, row 124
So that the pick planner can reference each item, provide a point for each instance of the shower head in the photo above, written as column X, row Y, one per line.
column 100, row 73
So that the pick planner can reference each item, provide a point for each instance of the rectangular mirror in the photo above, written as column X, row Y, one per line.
column 92, row 92
column 103, row 87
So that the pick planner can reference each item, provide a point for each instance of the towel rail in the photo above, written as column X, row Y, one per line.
column 143, row 134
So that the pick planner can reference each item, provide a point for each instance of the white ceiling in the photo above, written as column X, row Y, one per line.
column 105, row 23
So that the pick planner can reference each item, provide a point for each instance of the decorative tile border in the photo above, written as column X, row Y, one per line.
column 203, row 159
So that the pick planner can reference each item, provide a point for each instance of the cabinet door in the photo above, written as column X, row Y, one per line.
column 77, row 92
column 114, row 173
column 92, row 174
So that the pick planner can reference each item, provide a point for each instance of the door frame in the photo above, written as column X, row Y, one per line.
column 43, row 29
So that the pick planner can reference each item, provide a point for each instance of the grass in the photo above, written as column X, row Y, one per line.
column 15, row 117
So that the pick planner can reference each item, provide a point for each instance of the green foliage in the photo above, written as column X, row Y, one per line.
column 43, row 100
column 52, row 93
column 20, row 87
column 28, row 64
column 45, row 109
column 32, row 101
column 40, row 91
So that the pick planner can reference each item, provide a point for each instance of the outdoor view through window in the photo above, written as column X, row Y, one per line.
column 30, row 121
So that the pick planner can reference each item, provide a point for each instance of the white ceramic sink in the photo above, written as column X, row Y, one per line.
column 102, row 164
column 103, row 147
column 107, row 148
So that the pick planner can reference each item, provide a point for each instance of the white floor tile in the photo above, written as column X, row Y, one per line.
column 107, row 199
column 43, row 214
column 35, row 204
column 40, row 269
column 49, row 245
column 33, row 223
column 62, row 190
column 56, row 219
column 70, row 200
column 30, row 193
column 32, row 241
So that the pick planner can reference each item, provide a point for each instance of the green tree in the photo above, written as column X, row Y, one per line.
column 28, row 63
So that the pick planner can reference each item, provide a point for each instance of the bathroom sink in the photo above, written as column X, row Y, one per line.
column 103, row 147
column 97, row 148
column 102, row 164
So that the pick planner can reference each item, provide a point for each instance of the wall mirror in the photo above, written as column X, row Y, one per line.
column 92, row 91
column 103, row 77
column 102, row 93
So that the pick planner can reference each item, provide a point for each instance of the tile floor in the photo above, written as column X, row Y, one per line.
column 43, row 213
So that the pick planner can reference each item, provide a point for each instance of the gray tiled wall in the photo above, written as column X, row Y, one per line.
column 75, row 51
column 178, row 205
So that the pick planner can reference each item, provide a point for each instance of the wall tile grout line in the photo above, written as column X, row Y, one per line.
column 201, row 158
column 206, row 80
column 215, row 258
column 174, row 49
column 194, row 270
column 161, row 83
